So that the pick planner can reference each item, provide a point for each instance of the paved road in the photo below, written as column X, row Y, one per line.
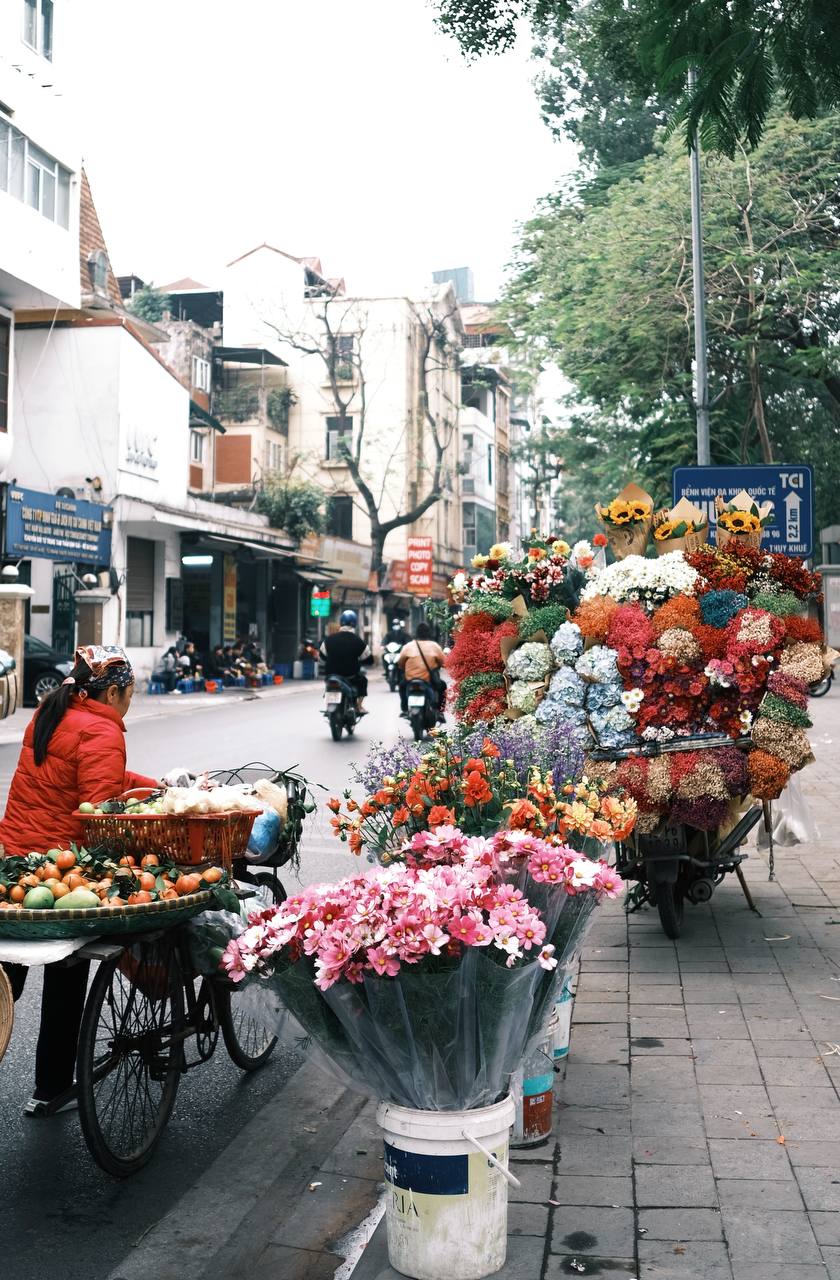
column 69, row 1218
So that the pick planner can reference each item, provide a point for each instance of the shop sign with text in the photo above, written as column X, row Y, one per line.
column 44, row 526
column 420, row 566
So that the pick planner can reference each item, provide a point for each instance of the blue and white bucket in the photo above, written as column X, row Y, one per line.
column 446, row 1178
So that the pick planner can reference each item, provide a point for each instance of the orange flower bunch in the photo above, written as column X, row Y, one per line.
column 587, row 810
column 444, row 789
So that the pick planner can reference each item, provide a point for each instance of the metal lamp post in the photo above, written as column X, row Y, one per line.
column 701, row 369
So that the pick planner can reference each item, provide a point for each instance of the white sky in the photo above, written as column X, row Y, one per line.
column 350, row 131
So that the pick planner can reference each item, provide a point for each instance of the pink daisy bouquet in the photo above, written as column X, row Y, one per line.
column 422, row 982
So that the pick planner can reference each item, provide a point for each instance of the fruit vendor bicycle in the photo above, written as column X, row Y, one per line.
column 156, row 1008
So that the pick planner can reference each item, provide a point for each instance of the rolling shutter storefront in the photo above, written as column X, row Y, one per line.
column 140, row 592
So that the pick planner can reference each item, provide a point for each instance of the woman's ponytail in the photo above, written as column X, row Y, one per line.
column 52, row 710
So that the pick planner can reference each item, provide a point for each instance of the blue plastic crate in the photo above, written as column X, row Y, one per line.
column 308, row 669
column 283, row 669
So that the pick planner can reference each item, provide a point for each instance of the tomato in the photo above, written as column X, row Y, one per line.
column 74, row 881
column 116, row 901
column 150, row 860
column 212, row 875
column 127, row 861
column 31, row 881
column 168, row 894
column 65, row 860
column 146, row 879
column 18, row 893
column 59, row 890
column 50, row 871
column 142, row 895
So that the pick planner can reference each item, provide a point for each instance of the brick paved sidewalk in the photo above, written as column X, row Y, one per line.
column 689, row 1064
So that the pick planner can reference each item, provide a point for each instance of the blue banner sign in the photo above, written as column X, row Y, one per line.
column 46, row 527
column 789, row 487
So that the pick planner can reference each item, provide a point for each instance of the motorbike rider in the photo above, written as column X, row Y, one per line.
column 343, row 653
column 422, row 659
column 396, row 633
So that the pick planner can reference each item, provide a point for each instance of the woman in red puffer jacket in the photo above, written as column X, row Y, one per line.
column 73, row 751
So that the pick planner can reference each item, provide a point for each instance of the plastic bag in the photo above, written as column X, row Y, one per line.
column 209, row 932
column 791, row 819
column 265, row 836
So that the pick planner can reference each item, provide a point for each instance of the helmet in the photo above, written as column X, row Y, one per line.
column 348, row 618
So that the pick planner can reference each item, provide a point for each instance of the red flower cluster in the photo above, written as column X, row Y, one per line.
column 477, row 648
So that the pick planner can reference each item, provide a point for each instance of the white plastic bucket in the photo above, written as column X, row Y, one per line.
column 563, row 1023
column 446, row 1211
column 532, row 1088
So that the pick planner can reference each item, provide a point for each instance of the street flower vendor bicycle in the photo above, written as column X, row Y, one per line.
column 158, row 1003
column 677, row 862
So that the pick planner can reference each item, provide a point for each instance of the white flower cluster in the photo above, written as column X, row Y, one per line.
column 531, row 661
column 639, row 579
column 523, row 696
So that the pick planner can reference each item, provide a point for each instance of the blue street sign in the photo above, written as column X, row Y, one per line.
column 46, row 526
column 790, row 487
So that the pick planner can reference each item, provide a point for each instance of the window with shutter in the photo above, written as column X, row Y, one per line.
column 140, row 591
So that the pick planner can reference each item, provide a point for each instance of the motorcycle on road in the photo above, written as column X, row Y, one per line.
column 422, row 703
column 340, row 707
column 391, row 663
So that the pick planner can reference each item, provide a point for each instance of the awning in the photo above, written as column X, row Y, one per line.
column 229, row 545
column 257, row 356
column 196, row 412
column 323, row 579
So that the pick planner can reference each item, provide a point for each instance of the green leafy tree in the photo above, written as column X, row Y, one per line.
column 296, row 507
column 604, row 289
column 744, row 51
column 592, row 89
column 149, row 304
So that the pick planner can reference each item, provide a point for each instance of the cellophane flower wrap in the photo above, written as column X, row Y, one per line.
column 422, row 983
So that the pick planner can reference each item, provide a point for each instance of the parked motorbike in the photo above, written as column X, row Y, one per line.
column 391, row 663
column 340, row 707
column 422, row 707
column 677, row 863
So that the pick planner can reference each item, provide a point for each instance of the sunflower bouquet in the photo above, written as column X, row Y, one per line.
column 742, row 520
column 627, row 521
column 683, row 528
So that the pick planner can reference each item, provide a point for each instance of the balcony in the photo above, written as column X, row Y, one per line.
column 263, row 406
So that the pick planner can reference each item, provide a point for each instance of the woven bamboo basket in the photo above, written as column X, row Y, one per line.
column 137, row 917
column 7, row 1012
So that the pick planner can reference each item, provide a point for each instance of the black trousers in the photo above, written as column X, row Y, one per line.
column 62, row 1005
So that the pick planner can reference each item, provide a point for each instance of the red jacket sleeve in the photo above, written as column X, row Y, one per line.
column 133, row 780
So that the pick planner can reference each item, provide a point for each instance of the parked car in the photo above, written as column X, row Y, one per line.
column 44, row 669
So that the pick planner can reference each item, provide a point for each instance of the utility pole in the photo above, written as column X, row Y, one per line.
column 701, row 370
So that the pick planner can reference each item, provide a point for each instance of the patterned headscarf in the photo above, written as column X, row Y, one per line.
column 108, row 664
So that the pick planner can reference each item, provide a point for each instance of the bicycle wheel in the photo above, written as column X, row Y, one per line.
column 669, row 904
column 130, row 1055
column 248, row 1043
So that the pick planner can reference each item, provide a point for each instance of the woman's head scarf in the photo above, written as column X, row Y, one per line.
column 108, row 665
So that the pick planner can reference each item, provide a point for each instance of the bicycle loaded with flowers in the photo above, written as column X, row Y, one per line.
column 684, row 678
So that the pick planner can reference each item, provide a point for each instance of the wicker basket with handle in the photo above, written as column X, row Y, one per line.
column 188, row 839
column 7, row 1012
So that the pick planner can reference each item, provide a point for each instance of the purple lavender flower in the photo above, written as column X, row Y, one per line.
column 383, row 762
